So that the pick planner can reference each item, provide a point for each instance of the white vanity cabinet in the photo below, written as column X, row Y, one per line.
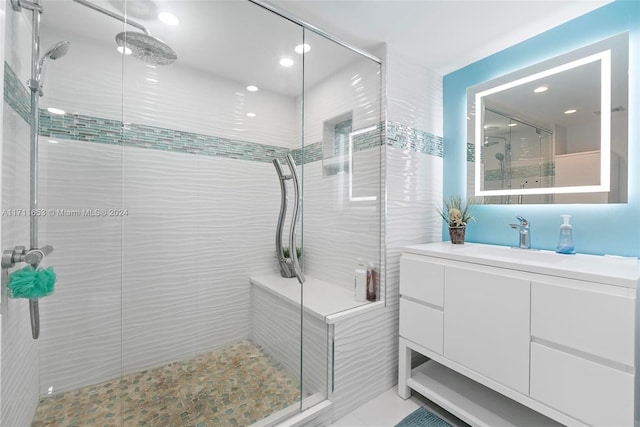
column 582, row 350
column 516, row 337
column 487, row 324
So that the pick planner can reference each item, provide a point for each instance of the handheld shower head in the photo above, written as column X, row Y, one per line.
column 56, row 51
column 500, row 157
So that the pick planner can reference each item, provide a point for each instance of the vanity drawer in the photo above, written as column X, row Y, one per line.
column 421, row 279
column 595, row 394
column 421, row 324
column 593, row 322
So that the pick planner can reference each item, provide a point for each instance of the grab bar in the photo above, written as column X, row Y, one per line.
column 293, row 253
column 285, row 268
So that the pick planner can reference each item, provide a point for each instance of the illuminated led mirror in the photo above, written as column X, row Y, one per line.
column 555, row 132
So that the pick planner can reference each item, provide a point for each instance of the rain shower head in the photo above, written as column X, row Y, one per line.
column 143, row 46
column 146, row 48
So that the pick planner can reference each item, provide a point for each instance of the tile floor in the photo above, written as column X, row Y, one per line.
column 234, row 386
column 388, row 409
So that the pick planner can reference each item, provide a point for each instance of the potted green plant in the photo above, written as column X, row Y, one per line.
column 457, row 213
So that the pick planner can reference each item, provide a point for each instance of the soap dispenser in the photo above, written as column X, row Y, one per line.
column 565, row 242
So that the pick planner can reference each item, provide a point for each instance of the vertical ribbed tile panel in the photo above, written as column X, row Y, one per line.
column 19, row 359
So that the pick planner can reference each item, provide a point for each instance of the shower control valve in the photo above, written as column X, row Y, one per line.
column 20, row 254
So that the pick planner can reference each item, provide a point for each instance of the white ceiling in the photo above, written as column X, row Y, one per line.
column 238, row 40
column 443, row 35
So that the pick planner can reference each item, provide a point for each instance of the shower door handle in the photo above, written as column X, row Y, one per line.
column 293, row 253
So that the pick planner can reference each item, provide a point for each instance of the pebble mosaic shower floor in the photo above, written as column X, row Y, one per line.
column 235, row 386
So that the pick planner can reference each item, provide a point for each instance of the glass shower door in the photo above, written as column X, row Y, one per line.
column 203, row 200
column 156, row 318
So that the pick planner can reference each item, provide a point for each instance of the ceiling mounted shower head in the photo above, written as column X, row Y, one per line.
column 147, row 48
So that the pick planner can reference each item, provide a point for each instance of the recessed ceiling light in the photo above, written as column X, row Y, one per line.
column 570, row 111
column 541, row 89
column 286, row 62
column 56, row 111
column 252, row 88
column 302, row 48
column 251, row 114
column 168, row 18
column 125, row 50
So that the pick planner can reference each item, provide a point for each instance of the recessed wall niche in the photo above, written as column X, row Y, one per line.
column 335, row 144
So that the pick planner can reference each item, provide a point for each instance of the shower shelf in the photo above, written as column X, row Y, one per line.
column 325, row 301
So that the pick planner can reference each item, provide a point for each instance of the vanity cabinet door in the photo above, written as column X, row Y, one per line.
column 486, row 324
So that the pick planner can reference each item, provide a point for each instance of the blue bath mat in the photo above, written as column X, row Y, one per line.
column 421, row 417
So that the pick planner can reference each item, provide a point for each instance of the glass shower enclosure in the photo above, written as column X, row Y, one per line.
column 156, row 179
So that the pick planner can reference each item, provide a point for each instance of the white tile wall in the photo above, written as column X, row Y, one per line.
column 19, row 357
column 337, row 231
column 173, row 273
column 277, row 328
column 367, row 366
column 92, row 80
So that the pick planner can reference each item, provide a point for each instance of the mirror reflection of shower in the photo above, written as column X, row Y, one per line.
column 504, row 157
column 516, row 155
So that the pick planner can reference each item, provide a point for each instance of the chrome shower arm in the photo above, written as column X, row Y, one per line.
column 113, row 15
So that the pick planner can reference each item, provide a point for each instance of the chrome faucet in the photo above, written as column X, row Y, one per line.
column 525, row 236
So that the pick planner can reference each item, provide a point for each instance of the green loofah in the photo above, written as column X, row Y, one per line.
column 31, row 283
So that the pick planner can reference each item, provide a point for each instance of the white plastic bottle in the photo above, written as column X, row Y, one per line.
column 361, row 282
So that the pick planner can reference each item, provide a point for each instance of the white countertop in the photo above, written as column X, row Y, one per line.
column 613, row 270
column 326, row 301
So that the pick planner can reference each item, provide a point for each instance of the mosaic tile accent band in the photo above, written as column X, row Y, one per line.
column 106, row 131
column 547, row 169
column 16, row 95
column 408, row 138
column 93, row 129
column 471, row 152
